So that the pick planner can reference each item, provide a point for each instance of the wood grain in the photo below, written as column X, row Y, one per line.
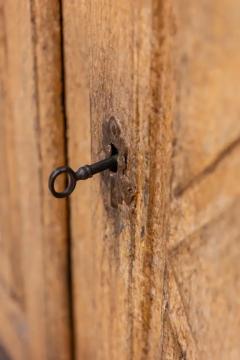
column 156, row 277
column 168, row 72
column 207, row 84
column 207, row 272
column 75, row 16
column 34, row 288
column 116, row 65
column 203, row 270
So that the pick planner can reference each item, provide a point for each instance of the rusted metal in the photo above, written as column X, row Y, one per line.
column 82, row 173
column 118, row 184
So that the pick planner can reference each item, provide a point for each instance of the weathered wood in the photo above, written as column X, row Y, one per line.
column 202, row 282
column 75, row 16
column 156, row 277
column 204, row 287
column 163, row 69
column 207, row 82
column 116, row 65
column 33, row 269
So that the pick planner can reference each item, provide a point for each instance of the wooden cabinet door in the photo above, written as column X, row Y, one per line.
column 34, row 288
column 142, row 263
column 158, row 276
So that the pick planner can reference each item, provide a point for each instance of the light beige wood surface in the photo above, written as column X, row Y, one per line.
column 165, row 285
column 203, row 270
column 34, row 304
column 157, row 277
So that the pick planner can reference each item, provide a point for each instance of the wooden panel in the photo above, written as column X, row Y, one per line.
column 136, row 268
column 207, row 80
column 117, row 61
column 201, row 284
column 208, row 197
column 206, row 272
column 79, row 149
column 33, row 228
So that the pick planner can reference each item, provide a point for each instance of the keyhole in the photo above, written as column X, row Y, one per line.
column 114, row 151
